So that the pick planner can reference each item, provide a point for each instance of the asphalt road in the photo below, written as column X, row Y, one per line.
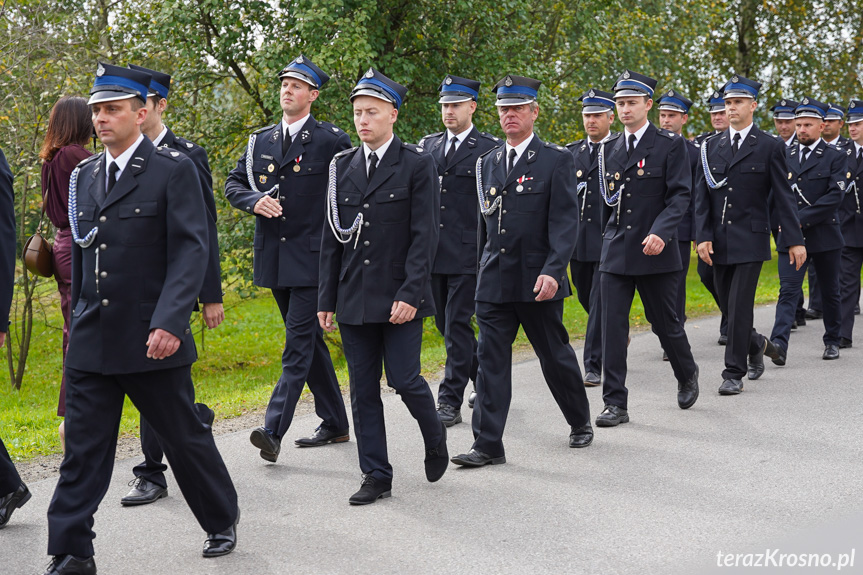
column 776, row 469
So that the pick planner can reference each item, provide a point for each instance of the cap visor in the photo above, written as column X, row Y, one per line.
column 513, row 101
column 372, row 93
column 596, row 110
column 627, row 92
column 714, row 109
column 809, row 115
column 108, row 95
column 670, row 108
column 299, row 76
column 453, row 99
column 854, row 119
column 783, row 116
column 737, row 94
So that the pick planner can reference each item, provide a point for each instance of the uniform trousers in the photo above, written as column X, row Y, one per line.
column 705, row 272
column 543, row 326
column 585, row 276
column 9, row 478
column 398, row 347
column 849, row 288
column 827, row 265
column 659, row 295
column 454, row 302
column 305, row 358
column 735, row 286
column 94, row 404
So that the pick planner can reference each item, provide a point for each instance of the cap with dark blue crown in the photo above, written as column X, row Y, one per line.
column 376, row 85
column 454, row 89
column 634, row 84
column 304, row 69
column 835, row 112
column 784, row 109
column 596, row 102
column 117, row 83
column 810, row 108
column 160, row 83
column 740, row 87
column 855, row 112
column 674, row 101
column 516, row 90
column 716, row 102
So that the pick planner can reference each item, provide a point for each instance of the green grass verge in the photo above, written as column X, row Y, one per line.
column 240, row 361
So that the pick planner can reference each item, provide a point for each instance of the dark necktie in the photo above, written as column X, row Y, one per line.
column 593, row 152
column 286, row 143
column 806, row 152
column 511, row 163
column 859, row 156
column 112, row 177
column 373, row 165
column 631, row 145
column 451, row 152
column 735, row 145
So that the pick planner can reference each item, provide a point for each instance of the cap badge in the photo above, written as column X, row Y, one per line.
column 805, row 100
column 100, row 71
column 591, row 94
column 670, row 93
column 370, row 73
column 508, row 82
column 626, row 75
column 448, row 81
column 782, row 103
column 299, row 59
column 715, row 94
column 735, row 79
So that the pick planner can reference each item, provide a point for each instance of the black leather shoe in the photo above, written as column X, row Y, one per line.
column 723, row 339
column 664, row 356
column 794, row 325
column 371, row 490
column 775, row 352
column 857, row 309
column 437, row 458
column 211, row 416
column 814, row 314
column 70, row 565
column 218, row 544
column 143, row 492
column 581, row 436
column 844, row 343
column 755, row 365
column 731, row 387
column 12, row 501
column 269, row 444
column 474, row 458
column 448, row 414
column 831, row 352
column 321, row 436
column 591, row 379
column 801, row 321
column 612, row 416
column 687, row 391
column 471, row 398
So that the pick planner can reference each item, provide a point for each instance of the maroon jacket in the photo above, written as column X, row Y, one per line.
column 55, row 183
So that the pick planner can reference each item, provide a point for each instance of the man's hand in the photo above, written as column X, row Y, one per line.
column 653, row 245
column 545, row 288
column 402, row 312
column 214, row 314
column 268, row 207
column 2, row 338
column 325, row 318
column 162, row 344
column 705, row 249
column 797, row 256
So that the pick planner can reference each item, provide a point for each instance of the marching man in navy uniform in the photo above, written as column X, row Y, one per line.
column 454, row 270
column 529, row 207
column 282, row 179
column 376, row 259
column 851, row 219
column 817, row 173
column 647, row 182
column 739, row 170
column 150, row 484
column 139, row 259
column 597, row 115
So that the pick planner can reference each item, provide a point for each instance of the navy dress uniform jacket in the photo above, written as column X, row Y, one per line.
column 211, row 291
column 392, row 259
column 593, row 211
column 686, row 228
column 287, row 248
column 736, row 217
column 456, row 250
column 7, row 241
column 154, row 217
column 821, row 183
column 662, row 188
column 850, row 209
column 524, row 246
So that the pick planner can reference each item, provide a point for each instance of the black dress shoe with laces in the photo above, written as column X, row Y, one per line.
column 474, row 458
column 581, row 436
column 70, row 565
column 844, row 343
column 218, row 544
column 612, row 416
column 269, row 444
column 143, row 492
column 775, row 352
column 723, row 339
column 591, row 379
column 323, row 436
column 448, row 414
column 831, row 352
column 755, row 365
column 12, row 501
column 471, row 398
column 371, row 490
column 731, row 387
column 437, row 458
column 814, row 314
column 687, row 391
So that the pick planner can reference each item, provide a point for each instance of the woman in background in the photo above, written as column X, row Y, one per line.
column 69, row 129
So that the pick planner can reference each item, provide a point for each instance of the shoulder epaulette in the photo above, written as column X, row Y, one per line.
column 329, row 127
column 575, row 144
column 413, row 147
column 345, row 152
column 264, row 129
column 612, row 136
column 488, row 136
column 667, row 133
column 188, row 144
column 170, row 153
column 554, row 146
column 490, row 150
column 86, row 161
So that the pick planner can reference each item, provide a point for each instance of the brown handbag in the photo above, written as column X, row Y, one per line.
column 37, row 252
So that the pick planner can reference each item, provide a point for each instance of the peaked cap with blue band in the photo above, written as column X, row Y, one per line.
column 855, row 112
column 516, row 90
column 784, row 109
column 716, row 101
column 810, row 108
column 674, row 101
column 376, row 85
column 596, row 102
column 835, row 112
column 634, row 84
column 304, row 69
column 160, row 83
column 117, row 83
column 454, row 89
column 740, row 87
